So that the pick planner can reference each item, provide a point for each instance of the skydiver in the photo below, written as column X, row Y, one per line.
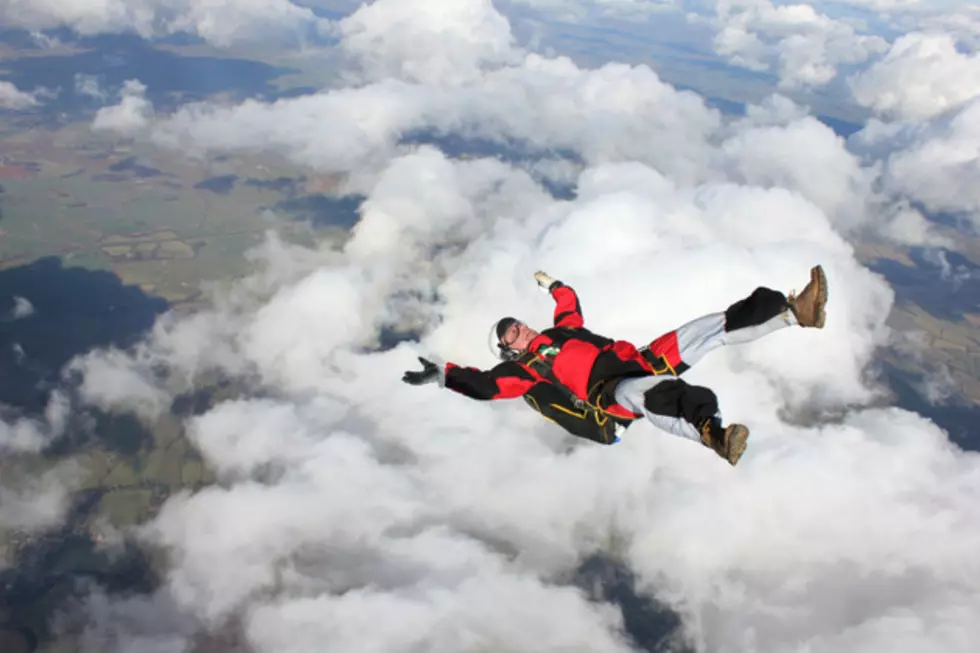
column 610, row 383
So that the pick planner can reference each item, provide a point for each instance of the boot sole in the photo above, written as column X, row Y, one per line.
column 737, row 442
column 818, row 278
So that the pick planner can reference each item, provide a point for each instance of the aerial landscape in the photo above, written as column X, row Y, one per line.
column 226, row 232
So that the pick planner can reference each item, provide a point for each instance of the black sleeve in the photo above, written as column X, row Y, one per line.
column 503, row 381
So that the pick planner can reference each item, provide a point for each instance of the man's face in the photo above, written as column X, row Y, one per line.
column 518, row 336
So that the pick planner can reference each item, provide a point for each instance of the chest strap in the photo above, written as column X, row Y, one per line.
column 542, row 366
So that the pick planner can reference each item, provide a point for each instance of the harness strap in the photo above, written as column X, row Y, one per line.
column 542, row 366
column 603, row 394
column 658, row 362
column 593, row 406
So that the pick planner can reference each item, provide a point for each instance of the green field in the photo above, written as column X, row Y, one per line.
column 152, row 217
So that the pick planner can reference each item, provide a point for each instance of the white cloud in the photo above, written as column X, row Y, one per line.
column 805, row 46
column 420, row 505
column 613, row 112
column 480, row 612
column 387, row 37
column 958, row 18
column 46, row 41
column 864, row 555
column 956, row 275
column 921, row 76
column 765, row 149
column 130, row 115
column 221, row 22
column 934, row 163
column 933, row 382
column 22, row 308
column 12, row 98
column 109, row 381
column 91, row 86
column 361, row 122
column 31, row 434
column 964, row 24
column 30, row 502
column 143, row 623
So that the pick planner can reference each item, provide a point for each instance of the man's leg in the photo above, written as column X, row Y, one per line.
column 689, row 411
column 761, row 313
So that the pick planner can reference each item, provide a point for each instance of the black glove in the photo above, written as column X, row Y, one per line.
column 429, row 373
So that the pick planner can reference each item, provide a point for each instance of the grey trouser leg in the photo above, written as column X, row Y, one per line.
column 701, row 335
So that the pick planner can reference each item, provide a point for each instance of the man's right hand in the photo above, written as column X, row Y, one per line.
column 429, row 373
column 544, row 280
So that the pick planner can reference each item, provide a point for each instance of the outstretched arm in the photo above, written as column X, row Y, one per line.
column 503, row 381
column 568, row 310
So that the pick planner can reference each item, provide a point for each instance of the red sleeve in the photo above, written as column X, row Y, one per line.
column 627, row 351
column 568, row 311
column 503, row 381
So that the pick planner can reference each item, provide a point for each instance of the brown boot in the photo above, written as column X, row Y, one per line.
column 736, row 440
column 808, row 306
column 728, row 442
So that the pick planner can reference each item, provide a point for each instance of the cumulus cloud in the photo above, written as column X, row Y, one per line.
column 29, row 434
column 612, row 113
column 127, row 117
column 91, row 86
column 609, row 113
column 805, row 46
column 808, row 45
column 417, row 503
column 358, row 513
column 956, row 275
column 877, row 519
column 958, row 18
column 933, row 163
column 29, row 503
column 921, row 76
column 422, row 515
column 439, row 514
column 459, row 37
column 22, row 308
column 12, row 98
column 221, row 22
column 108, row 382
column 934, row 381
column 144, row 623
column 963, row 23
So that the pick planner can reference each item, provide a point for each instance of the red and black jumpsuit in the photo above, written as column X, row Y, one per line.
column 593, row 366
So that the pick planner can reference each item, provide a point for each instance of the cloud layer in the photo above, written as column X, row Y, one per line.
column 357, row 513
column 222, row 22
